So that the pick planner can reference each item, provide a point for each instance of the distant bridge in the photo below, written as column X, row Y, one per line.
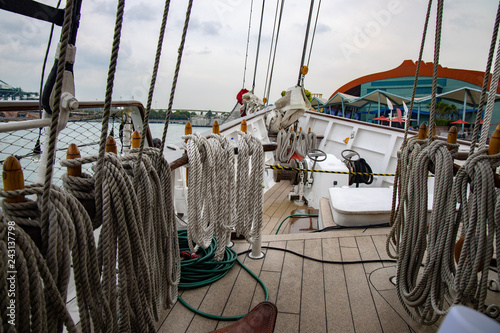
column 8, row 92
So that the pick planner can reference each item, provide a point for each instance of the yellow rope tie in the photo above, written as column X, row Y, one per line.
column 279, row 167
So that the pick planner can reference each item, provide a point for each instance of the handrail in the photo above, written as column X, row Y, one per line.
column 34, row 106
column 183, row 160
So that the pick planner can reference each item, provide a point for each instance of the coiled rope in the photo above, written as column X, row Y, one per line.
column 290, row 142
column 421, row 239
column 35, row 284
column 213, row 184
column 431, row 289
column 70, row 241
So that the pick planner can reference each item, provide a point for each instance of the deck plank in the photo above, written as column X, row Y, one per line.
column 312, row 315
column 287, row 323
column 363, row 309
column 214, row 301
column 291, row 280
column 337, row 308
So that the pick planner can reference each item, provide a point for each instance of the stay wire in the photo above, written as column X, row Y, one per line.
column 304, row 48
column 274, row 55
column 258, row 45
column 248, row 42
column 314, row 34
column 272, row 46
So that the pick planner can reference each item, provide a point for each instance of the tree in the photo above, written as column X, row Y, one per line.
column 446, row 111
column 209, row 114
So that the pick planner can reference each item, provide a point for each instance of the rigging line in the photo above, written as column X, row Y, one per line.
column 110, row 80
column 258, row 45
column 482, row 99
column 305, row 43
column 176, row 73
column 49, row 43
column 437, row 45
column 248, row 42
column 153, row 77
column 271, row 48
column 275, row 47
column 314, row 34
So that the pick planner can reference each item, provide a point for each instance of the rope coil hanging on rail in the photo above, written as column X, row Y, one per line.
column 212, row 186
column 464, row 205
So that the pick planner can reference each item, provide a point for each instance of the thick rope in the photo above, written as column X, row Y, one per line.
column 491, row 103
column 397, row 178
column 211, row 188
column 140, row 234
column 287, row 143
column 216, row 204
column 249, row 185
column 107, row 105
column 423, row 290
column 477, row 221
column 51, row 149
column 482, row 100
column 176, row 73
column 36, row 287
column 161, row 36
column 437, row 45
column 70, row 234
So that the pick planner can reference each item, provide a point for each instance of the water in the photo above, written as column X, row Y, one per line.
column 174, row 133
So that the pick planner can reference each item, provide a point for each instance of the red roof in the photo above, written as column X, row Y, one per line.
column 408, row 68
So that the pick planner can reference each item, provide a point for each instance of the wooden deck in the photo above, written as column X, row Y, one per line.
column 310, row 296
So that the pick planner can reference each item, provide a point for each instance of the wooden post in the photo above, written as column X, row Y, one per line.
column 494, row 146
column 72, row 153
column 136, row 139
column 244, row 126
column 111, row 145
column 13, row 178
column 188, row 129
column 452, row 135
column 215, row 127
column 422, row 132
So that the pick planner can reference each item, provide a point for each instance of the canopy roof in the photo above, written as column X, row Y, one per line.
column 382, row 96
column 470, row 95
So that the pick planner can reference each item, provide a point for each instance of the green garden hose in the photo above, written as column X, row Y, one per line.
column 203, row 270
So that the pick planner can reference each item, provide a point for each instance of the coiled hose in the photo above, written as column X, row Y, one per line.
column 198, row 272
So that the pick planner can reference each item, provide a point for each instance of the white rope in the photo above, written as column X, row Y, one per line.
column 287, row 143
column 249, row 187
column 219, row 201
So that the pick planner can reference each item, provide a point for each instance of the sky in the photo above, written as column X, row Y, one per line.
column 353, row 38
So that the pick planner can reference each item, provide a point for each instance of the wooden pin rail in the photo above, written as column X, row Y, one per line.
column 13, row 179
column 183, row 160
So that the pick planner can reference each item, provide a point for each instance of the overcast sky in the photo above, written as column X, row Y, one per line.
column 353, row 38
